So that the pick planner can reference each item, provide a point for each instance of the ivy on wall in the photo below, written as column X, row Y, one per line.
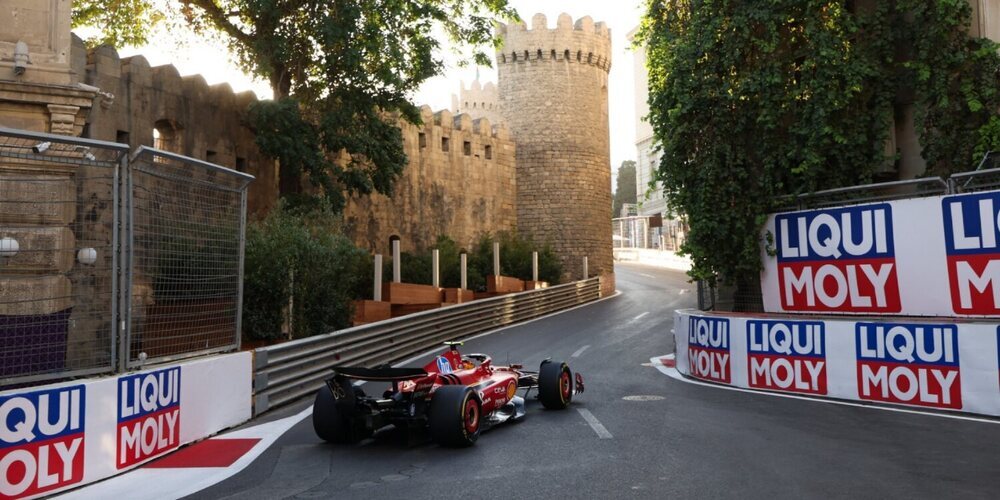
column 753, row 100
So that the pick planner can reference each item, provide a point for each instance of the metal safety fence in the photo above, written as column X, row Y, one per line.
column 649, row 232
column 88, row 281
column 287, row 372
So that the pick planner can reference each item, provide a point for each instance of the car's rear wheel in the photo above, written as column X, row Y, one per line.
column 333, row 414
column 455, row 416
column 555, row 385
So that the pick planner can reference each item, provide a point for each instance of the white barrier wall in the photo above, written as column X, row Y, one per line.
column 65, row 435
column 935, row 364
column 935, row 256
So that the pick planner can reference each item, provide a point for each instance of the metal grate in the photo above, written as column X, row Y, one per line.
column 868, row 193
column 187, row 227
column 59, row 212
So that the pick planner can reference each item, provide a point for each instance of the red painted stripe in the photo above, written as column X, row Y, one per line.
column 668, row 362
column 208, row 453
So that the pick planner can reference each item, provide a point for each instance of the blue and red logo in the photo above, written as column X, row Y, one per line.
column 972, row 243
column 41, row 440
column 909, row 363
column 787, row 356
column 149, row 415
column 708, row 348
column 838, row 260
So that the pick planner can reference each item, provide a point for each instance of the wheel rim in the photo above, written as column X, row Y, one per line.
column 565, row 385
column 471, row 416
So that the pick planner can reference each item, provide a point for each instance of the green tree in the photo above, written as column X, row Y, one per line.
column 624, row 187
column 118, row 23
column 753, row 100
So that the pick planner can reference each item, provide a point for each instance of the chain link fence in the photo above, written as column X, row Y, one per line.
column 97, row 252
column 187, row 229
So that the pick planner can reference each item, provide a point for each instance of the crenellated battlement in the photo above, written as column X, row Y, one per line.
column 583, row 41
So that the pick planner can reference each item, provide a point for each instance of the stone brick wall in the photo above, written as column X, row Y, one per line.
column 202, row 121
column 553, row 87
column 478, row 101
column 461, row 192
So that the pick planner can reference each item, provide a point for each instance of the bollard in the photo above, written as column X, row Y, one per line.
column 534, row 266
column 465, row 273
column 586, row 274
column 378, row 278
column 496, row 258
column 396, row 271
column 436, row 268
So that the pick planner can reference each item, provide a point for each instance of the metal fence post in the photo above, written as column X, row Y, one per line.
column 243, row 242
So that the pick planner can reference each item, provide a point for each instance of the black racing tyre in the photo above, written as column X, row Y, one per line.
column 455, row 416
column 332, row 416
column 555, row 385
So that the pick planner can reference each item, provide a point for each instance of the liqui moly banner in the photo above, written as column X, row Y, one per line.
column 939, row 365
column 935, row 256
column 42, row 436
column 65, row 435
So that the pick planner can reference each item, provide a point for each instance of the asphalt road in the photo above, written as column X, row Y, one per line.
column 695, row 442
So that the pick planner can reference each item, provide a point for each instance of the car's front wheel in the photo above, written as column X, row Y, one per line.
column 555, row 385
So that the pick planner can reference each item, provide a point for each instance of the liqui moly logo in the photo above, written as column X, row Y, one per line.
column 972, row 244
column 149, row 414
column 787, row 356
column 41, row 441
column 909, row 363
column 838, row 260
column 708, row 348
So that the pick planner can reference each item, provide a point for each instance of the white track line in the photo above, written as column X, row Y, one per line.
column 595, row 424
column 647, row 275
column 637, row 318
column 674, row 374
column 579, row 351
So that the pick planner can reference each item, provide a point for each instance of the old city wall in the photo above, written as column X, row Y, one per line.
column 478, row 101
column 460, row 182
column 553, row 86
column 191, row 117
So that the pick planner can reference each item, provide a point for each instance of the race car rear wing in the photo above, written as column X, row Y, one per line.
column 388, row 374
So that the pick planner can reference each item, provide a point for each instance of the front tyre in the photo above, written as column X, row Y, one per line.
column 555, row 385
column 455, row 416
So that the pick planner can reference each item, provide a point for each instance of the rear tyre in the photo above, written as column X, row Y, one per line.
column 455, row 416
column 332, row 416
column 555, row 385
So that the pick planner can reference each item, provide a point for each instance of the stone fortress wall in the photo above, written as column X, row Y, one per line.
column 460, row 182
column 479, row 101
column 156, row 107
column 553, row 89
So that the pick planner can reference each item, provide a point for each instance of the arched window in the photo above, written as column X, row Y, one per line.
column 167, row 136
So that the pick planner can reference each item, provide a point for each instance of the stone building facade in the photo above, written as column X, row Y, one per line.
column 553, row 90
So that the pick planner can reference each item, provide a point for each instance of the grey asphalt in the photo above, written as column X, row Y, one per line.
column 695, row 442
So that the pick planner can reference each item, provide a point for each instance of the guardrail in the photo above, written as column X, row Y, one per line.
column 286, row 372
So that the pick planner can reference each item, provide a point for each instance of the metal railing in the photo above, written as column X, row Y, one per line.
column 286, row 372
column 97, row 249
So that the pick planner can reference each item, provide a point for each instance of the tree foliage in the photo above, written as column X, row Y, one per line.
column 624, row 187
column 753, row 100
column 118, row 23
column 342, row 73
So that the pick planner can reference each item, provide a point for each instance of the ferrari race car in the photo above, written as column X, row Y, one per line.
column 454, row 397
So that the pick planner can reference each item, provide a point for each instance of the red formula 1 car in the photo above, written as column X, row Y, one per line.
column 455, row 397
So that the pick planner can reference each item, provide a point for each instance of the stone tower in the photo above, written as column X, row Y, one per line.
column 477, row 101
column 553, row 87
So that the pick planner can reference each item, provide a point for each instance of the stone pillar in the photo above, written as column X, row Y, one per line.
column 39, row 199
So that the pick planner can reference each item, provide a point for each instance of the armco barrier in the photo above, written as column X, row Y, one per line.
column 66, row 435
column 945, row 365
column 286, row 372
